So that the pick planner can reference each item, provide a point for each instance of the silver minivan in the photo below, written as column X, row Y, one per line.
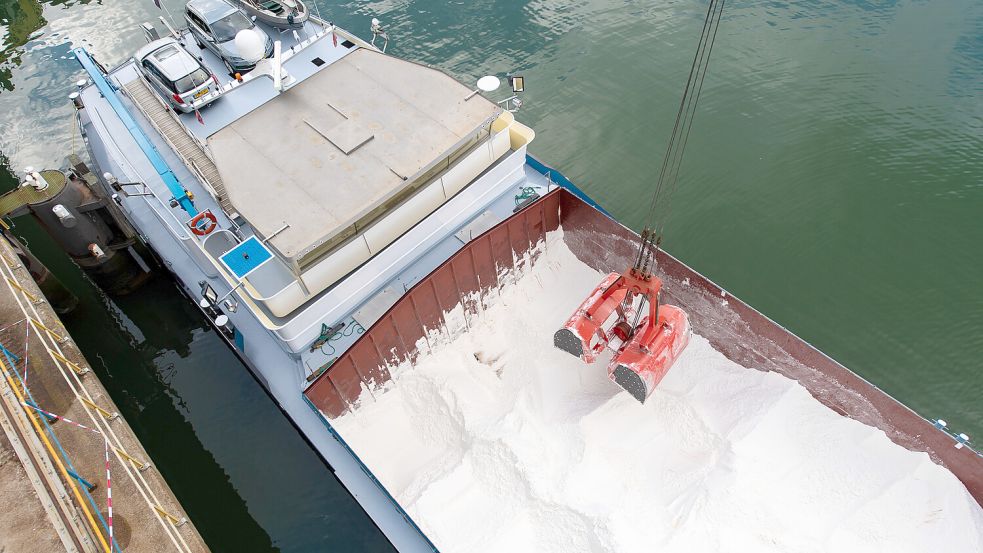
column 174, row 73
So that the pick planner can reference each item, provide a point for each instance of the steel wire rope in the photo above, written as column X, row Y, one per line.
column 672, row 162
column 679, row 112
column 673, row 183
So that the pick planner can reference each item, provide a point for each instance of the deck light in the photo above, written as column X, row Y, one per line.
column 379, row 32
column 513, row 102
column 518, row 83
column 209, row 293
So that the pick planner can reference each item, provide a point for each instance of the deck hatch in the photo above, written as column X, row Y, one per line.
column 246, row 257
column 347, row 136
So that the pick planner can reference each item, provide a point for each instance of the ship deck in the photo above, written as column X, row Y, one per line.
column 312, row 42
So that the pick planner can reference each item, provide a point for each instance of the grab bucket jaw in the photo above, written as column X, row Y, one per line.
column 582, row 335
column 643, row 362
column 644, row 353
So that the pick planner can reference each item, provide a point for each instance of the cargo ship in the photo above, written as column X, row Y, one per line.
column 328, row 207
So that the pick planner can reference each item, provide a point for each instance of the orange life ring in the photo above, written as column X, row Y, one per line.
column 210, row 223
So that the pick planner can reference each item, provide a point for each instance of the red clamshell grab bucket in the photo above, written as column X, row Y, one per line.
column 647, row 357
column 641, row 362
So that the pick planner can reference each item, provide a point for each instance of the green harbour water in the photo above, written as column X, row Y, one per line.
column 833, row 180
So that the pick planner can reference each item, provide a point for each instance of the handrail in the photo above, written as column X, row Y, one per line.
column 201, row 177
column 187, row 161
column 153, row 193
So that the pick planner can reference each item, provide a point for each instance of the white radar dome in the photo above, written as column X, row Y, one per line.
column 251, row 44
column 489, row 83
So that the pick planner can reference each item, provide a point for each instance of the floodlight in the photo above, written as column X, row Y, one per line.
column 518, row 83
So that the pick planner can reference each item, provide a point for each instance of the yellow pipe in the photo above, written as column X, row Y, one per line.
column 140, row 465
column 105, row 414
column 57, row 459
column 40, row 326
column 174, row 520
column 29, row 295
column 78, row 370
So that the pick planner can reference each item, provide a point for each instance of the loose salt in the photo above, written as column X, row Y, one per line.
column 497, row 441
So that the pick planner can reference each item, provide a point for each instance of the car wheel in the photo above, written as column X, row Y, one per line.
column 228, row 66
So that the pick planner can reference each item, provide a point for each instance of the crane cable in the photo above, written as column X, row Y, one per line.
column 651, row 236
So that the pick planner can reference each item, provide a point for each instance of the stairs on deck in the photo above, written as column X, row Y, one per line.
column 179, row 138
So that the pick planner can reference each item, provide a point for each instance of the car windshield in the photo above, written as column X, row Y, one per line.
column 197, row 78
column 226, row 28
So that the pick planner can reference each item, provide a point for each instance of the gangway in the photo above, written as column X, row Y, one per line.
column 180, row 140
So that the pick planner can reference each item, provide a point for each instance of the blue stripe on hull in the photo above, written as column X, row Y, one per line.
column 559, row 179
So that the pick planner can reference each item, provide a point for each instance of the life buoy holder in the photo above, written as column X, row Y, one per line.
column 203, row 223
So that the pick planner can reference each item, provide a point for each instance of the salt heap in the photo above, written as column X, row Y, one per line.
column 499, row 442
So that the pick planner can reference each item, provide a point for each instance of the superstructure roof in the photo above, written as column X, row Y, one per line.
column 340, row 144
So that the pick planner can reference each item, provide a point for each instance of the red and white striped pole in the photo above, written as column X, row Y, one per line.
column 109, row 496
column 61, row 418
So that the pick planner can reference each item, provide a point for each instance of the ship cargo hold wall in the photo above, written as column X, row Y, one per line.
column 735, row 329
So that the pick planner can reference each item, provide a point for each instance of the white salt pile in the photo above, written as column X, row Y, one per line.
column 499, row 442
